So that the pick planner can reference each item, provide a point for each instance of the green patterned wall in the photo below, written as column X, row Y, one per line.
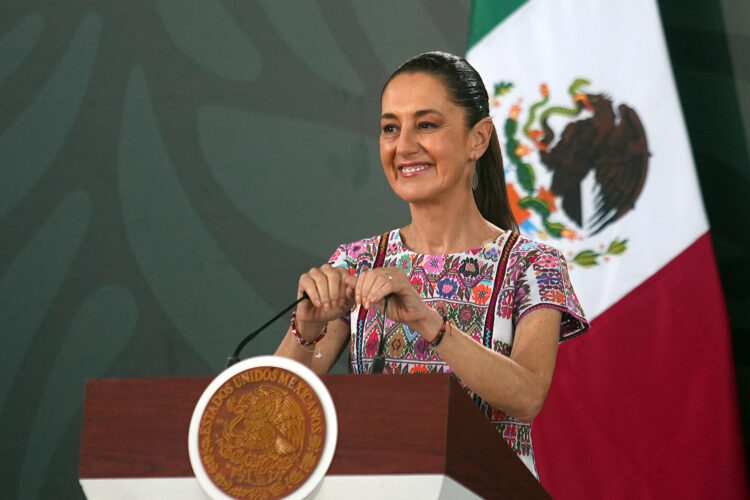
column 168, row 169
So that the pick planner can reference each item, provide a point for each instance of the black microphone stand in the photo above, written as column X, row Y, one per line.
column 234, row 358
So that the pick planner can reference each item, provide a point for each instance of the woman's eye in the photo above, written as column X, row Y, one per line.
column 389, row 129
column 426, row 125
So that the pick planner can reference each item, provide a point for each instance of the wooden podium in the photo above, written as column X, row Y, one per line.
column 400, row 436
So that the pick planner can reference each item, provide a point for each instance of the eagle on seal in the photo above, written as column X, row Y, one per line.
column 614, row 147
column 265, row 439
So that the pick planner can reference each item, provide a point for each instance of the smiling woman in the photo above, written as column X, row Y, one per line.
column 463, row 292
column 460, row 86
column 427, row 151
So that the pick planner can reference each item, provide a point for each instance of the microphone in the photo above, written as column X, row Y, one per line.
column 235, row 357
column 378, row 361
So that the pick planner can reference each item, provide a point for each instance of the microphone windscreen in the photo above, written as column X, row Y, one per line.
column 378, row 364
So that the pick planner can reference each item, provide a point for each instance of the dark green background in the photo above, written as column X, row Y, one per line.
column 168, row 169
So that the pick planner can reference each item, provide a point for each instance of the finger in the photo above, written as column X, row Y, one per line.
column 370, row 280
column 350, row 282
column 321, row 283
column 333, row 280
column 359, row 286
column 307, row 285
column 346, row 285
column 379, row 291
column 319, row 286
column 372, row 284
column 380, row 288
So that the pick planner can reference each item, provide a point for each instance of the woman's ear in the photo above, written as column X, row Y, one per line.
column 481, row 133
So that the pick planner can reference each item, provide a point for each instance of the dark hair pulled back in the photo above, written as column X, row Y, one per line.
column 466, row 90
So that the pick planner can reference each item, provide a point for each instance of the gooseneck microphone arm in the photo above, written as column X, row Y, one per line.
column 378, row 361
column 236, row 356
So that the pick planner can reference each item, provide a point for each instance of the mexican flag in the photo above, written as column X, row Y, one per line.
column 599, row 165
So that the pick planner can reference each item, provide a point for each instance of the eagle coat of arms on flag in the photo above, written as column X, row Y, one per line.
column 574, row 166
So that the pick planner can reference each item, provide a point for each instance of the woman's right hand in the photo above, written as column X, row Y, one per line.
column 331, row 292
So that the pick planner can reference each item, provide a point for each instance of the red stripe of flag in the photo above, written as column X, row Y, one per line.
column 645, row 404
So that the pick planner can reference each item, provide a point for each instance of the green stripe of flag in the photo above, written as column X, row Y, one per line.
column 486, row 14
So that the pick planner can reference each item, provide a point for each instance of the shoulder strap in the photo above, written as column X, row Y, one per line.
column 489, row 320
column 382, row 246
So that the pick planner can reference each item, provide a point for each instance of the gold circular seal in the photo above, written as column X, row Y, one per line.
column 262, row 434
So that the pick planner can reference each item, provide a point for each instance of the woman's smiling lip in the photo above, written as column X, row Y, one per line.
column 413, row 168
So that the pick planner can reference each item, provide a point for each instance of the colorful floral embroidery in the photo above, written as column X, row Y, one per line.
column 502, row 348
column 421, row 349
column 433, row 264
column 469, row 268
column 555, row 296
column 464, row 317
column 547, row 261
column 405, row 263
column 509, row 434
column 481, row 294
column 506, row 304
column 447, row 287
column 522, row 298
column 523, row 436
column 491, row 253
column 396, row 345
column 460, row 286
column 356, row 250
column 372, row 344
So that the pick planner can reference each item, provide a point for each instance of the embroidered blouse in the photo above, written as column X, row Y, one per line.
column 484, row 292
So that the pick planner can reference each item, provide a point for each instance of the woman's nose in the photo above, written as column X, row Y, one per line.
column 407, row 142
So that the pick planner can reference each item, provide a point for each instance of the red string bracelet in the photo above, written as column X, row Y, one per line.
column 300, row 340
column 439, row 338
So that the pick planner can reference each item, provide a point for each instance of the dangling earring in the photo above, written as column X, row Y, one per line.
column 474, row 178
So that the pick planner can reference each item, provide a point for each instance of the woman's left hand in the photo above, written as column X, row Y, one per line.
column 404, row 306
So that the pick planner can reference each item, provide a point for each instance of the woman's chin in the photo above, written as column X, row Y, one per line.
column 424, row 192
column 415, row 196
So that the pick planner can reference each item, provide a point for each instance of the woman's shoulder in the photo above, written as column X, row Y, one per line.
column 526, row 253
column 538, row 274
column 527, row 246
column 361, row 250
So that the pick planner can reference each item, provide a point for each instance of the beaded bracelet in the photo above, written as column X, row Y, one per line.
column 300, row 340
column 439, row 338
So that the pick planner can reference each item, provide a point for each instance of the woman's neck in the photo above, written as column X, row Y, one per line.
column 438, row 229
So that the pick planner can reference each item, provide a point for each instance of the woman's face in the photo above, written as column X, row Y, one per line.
column 425, row 146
